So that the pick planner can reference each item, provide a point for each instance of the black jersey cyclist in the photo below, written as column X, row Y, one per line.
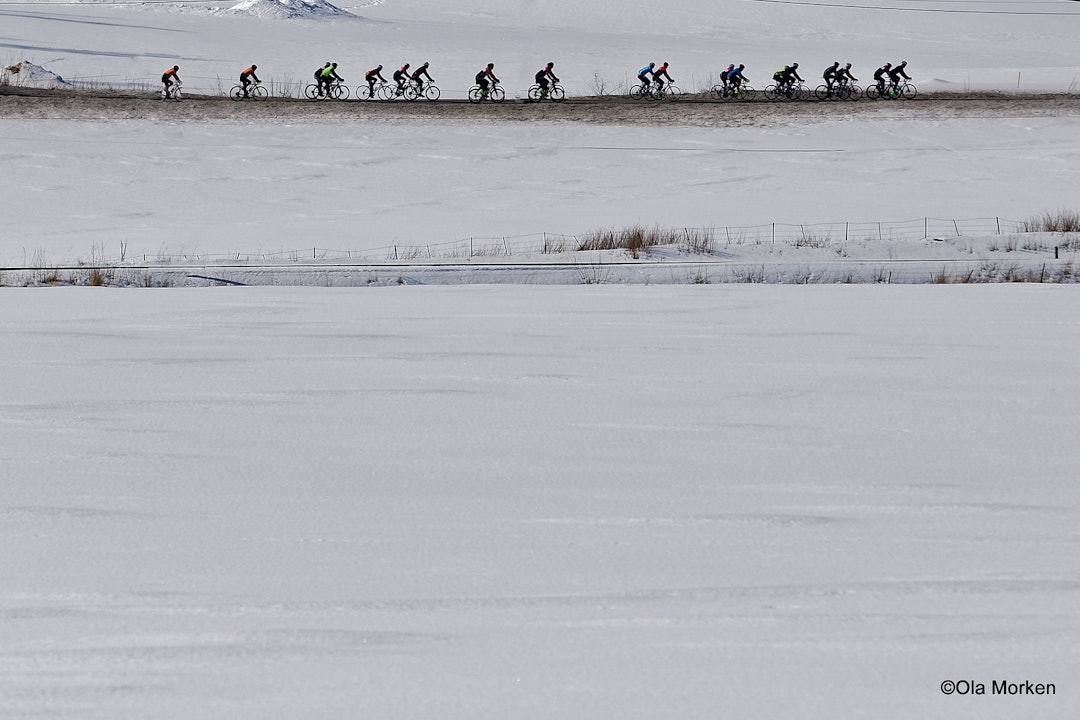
column 897, row 72
column 545, row 77
column 419, row 75
column 829, row 76
column 786, row 76
column 371, row 76
column 401, row 76
column 879, row 77
column 843, row 75
column 485, row 78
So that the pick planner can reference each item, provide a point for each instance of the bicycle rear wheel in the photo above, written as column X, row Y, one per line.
column 872, row 92
column 312, row 92
column 475, row 94
column 384, row 92
column 822, row 92
column 237, row 92
column 771, row 93
column 533, row 93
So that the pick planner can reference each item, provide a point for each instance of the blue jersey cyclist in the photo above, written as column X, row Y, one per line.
column 644, row 75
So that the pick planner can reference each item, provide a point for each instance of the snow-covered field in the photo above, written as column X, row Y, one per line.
column 532, row 502
column 503, row 501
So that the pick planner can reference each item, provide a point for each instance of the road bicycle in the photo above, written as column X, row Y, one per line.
column 380, row 91
column 414, row 91
column 255, row 92
column 337, row 90
column 892, row 91
column 554, row 93
column 493, row 93
column 838, row 91
column 793, row 91
column 652, row 91
column 172, row 92
column 741, row 92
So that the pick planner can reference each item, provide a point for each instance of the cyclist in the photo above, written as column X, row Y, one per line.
column 645, row 76
column 419, row 75
column 485, row 77
column 735, row 79
column 786, row 77
column 543, row 76
column 879, row 76
column 327, row 76
column 371, row 76
column 659, row 74
column 724, row 76
column 843, row 75
column 170, row 80
column 248, row 76
column 829, row 76
column 318, row 73
column 401, row 75
column 897, row 72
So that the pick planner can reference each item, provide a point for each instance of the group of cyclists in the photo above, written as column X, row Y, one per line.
column 650, row 76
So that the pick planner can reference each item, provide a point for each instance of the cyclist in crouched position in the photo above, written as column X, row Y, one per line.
column 418, row 77
column 248, row 77
column 485, row 78
column 645, row 75
column 170, row 80
column 371, row 76
column 401, row 76
column 543, row 77
column 786, row 77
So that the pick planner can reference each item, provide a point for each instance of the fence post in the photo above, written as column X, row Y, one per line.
column 845, row 231
column 774, row 233
column 956, row 228
column 879, row 231
column 925, row 228
column 998, row 221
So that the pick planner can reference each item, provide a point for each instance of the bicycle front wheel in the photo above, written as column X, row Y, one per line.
column 872, row 92
column 909, row 91
column 673, row 92
column 432, row 92
column 340, row 92
column 854, row 92
column 384, row 92
column 177, row 95
column 557, row 94
column 497, row 94
column 259, row 92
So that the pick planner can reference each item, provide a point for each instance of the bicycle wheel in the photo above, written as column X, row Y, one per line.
column 534, row 93
column 475, row 94
column 872, row 92
column 384, row 92
column 638, row 92
column 311, row 92
column 340, row 92
column 557, row 94
column 800, row 93
column 432, row 92
column 771, row 93
column 497, row 94
column 854, row 92
column 673, row 92
column 237, row 92
column 908, row 91
column 362, row 92
column 410, row 92
column 259, row 92
column 822, row 92
column 177, row 95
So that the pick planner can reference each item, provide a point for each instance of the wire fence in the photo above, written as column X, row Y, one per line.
column 701, row 240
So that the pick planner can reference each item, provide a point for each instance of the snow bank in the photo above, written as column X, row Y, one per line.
column 27, row 74
column 289, row 9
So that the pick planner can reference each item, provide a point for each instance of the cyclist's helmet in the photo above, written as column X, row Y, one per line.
column 491, row 65
column 665, row 64
column 794, row 65
column 652, row 65
column 254, row 66
column 741, row 66
column 903, row 63
column 550, row 65
column 333, row 65
column 425, row 64
column 847, row 66
column 888, row 65
column 175, row 67
column 378, row 67
column 405, row 66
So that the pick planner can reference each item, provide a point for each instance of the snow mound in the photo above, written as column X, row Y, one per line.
column 290, row 9
column 27, row 74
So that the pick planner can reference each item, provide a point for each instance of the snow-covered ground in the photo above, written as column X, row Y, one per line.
column 502, row 501
column 532, row 502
